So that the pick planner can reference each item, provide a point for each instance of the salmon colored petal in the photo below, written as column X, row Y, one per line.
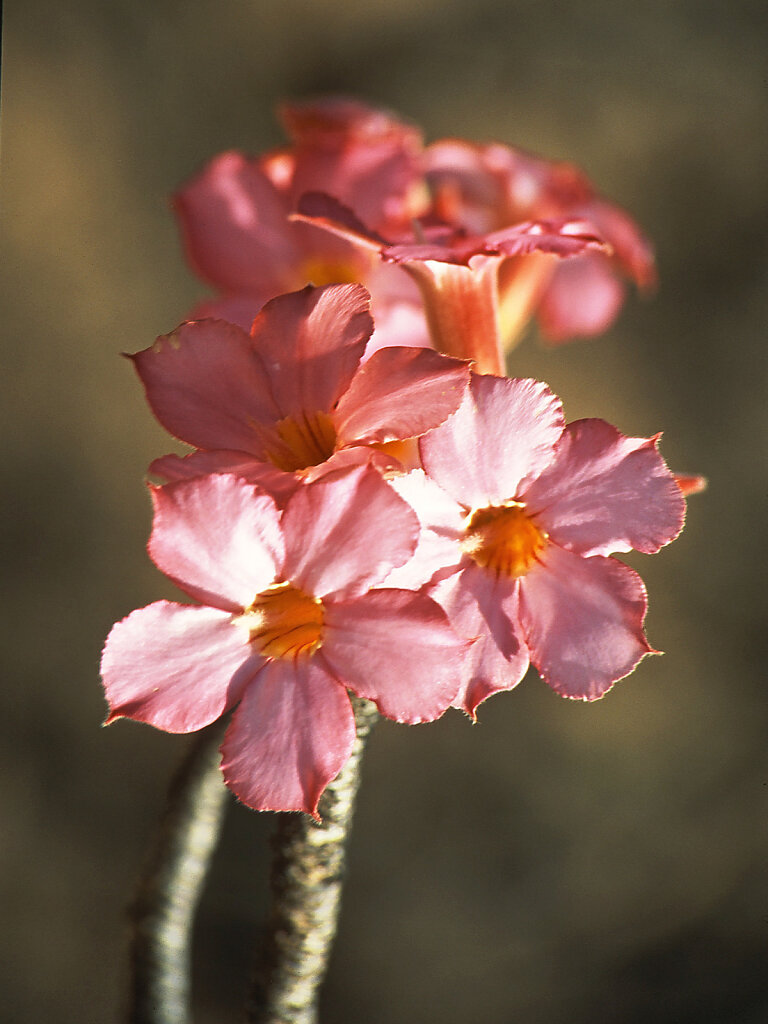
column 583, row 298
column 177, row 667
column 275, row 482
column 234, row 227
column 583, row 621
column 504, row 431
column 605, row 492
column 207, row 386
column 235, row 309
column 482, row 607
column 345, row 532
column 396, row 648
column 311, row 342
column 218, row 537
column 399, row 393
column 291, row 735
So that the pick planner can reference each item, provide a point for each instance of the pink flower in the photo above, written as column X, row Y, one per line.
column 457, row 273
column 519, row 533
column 291, row 401
column 234, row 215
column 484, row 187
column 286, row 623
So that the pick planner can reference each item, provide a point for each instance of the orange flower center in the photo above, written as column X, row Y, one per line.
column 504, row 539
column 319, row 272
column 284, row 622
column 298, row 443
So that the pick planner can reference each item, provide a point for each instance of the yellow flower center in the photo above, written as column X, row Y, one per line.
column 504, row 539
column 295, row 444
column 284, row 622
column 319, row 272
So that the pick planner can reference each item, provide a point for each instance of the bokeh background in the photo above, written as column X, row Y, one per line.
column 555, row 862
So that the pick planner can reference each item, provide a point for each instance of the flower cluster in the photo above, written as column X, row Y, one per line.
column 369, row 505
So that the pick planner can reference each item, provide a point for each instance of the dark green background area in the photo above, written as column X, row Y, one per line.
column 556, row 862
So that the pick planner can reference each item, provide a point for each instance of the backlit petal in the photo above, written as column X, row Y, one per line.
column 177, row 667
column 583, row 298
column 583, row 621
column 396, row 648
column 291, row 735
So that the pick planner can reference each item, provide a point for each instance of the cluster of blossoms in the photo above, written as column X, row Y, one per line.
column 369, row 505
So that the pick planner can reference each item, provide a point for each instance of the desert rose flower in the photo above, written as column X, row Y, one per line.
column 234, row 215
column 457, row 273
column 286, row 623
column 485, row 187
column 520, row 530
column 291, row 400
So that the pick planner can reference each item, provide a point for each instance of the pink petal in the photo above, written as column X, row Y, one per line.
column 218, row 537
column 234, row 226
column 399, row 393
column 291, row 735
column 235, row 309
column 311, row 343
column 177, row 667
column 583, row 620
column 206, row 385
column 631, row 249
column 605, row 492
column 504, row 431
column 275, row 482
column 396, row 648
column 398, row 323
column 345, row 532
column 482, row 607
column 583, row 298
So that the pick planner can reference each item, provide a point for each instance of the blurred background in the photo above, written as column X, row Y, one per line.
column 555, row 862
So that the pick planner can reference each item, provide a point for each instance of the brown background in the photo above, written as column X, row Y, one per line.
column 557, row 862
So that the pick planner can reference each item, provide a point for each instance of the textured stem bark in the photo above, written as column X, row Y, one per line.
column 307, row 880
column 163, row 909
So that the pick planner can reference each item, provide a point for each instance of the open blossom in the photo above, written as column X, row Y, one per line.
column 457, row 273
column 286, row 623
column 291, row 400
column 519, row 534
column 234, row 215
column 485, row 187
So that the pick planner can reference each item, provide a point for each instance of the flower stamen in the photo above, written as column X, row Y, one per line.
column 284, row 622
column 504, row 539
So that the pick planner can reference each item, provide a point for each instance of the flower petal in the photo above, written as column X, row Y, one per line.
column 291, row 735
column 218, row 538
column 311, row 342
column 583, row 298
column 206, row 385
column 234, row 227
column 482, row 606
column 504, row 431
column 345, row 532
column 400, row 393
column 278, row 484
column 583, row 621
column 396, row 648
column 605, row 492
column 177, row 667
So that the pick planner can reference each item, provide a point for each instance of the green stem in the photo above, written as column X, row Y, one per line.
column 307, row 878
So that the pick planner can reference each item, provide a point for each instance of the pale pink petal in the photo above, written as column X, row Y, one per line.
column 399, row 393
column 605, row 492
column 206, row 385
column 346, row 458
column 583, row 621
column 504, row 431
column 482, row 607
column 218, row 537
column 291, row 735
column 396, row 648
column 399, row 323
column 583, row 298
column 443, row 524
column 234, row 227
column 278, row 484
column 177, row 667
column 346, row 532
column 311, row 342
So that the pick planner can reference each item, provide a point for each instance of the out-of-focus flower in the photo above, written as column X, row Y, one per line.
column 291, row 400
column 286, row 623
column 486, row 187
column 519, row 532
